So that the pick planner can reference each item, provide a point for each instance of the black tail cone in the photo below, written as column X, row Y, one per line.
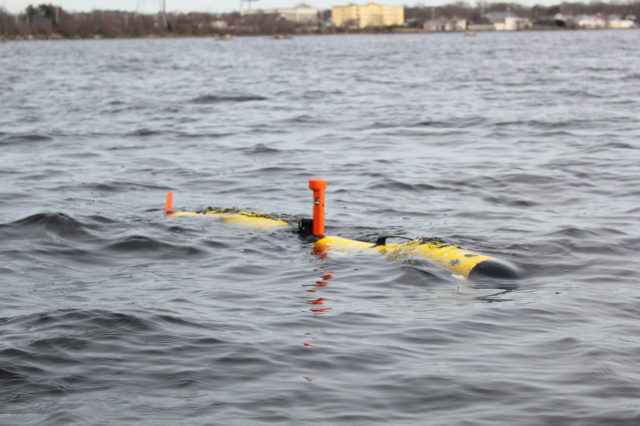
column 493, row 269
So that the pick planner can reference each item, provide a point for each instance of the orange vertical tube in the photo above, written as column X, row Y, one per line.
column 318, row 186
column 169, row 207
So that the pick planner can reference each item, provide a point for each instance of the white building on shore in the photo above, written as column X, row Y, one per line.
column 444, row 24
column 616, row 22
column 590, row 21
column 508, row 21
column 302, row 14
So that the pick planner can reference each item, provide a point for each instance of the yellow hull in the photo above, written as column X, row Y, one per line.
column 242, row 218
column 464, row 263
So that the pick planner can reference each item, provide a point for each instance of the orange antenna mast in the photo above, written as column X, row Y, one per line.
column 318, row 186
column 169, row 207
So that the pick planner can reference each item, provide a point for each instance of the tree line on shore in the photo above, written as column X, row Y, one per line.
column 51, row 21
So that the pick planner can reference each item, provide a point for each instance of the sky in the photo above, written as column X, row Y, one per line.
column 218, row 6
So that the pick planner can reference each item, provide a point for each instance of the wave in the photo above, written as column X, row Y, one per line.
column 25, row 138
column 546, row 125
column 57, row 223
column 46, row 363
column 456, row 123
column 115, row 186
column 509, row 201
column 396, row 185
column 153, row 248
column 145, row 132
column 186, row 135
column 262, row 149
column 75, row 350
column 304, row 119
column 216, row 99
column 90, row 241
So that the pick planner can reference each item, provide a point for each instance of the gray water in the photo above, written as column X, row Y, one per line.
column 523, row 146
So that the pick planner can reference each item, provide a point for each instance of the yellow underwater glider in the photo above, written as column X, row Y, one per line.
column 461, row 262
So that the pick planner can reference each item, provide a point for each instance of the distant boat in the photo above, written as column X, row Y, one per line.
column 281, row 36
column 227, row 37
column 470, row 33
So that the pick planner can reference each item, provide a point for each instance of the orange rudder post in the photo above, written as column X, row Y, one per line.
column 169, row 207
column 318, row 186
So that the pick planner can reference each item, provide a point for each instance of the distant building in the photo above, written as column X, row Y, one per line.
column 444, row 24
column 596, row 21
column 507, row 21
column 437, row 25
column 459, row 24
column 477, row 27
column 302, row 14
column 614, row 21
column 219, row 24
column 561, row 20
column 371, row 15
column 587, row 21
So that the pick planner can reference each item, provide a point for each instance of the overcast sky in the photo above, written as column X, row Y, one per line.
column 217, row 6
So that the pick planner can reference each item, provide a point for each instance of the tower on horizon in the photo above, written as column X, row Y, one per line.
column 248, row 2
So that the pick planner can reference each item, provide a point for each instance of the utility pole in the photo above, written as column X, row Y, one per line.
column 165, row 22
column 242, row 2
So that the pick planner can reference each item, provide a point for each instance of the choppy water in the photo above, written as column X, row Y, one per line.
column 524, row 146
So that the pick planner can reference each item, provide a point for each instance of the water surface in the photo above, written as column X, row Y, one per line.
column 523, row 146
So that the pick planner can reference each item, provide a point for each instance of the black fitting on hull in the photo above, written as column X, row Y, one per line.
column 305, row 227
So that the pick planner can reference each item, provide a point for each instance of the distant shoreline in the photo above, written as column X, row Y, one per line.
column 51, row 22
column 58, row 37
